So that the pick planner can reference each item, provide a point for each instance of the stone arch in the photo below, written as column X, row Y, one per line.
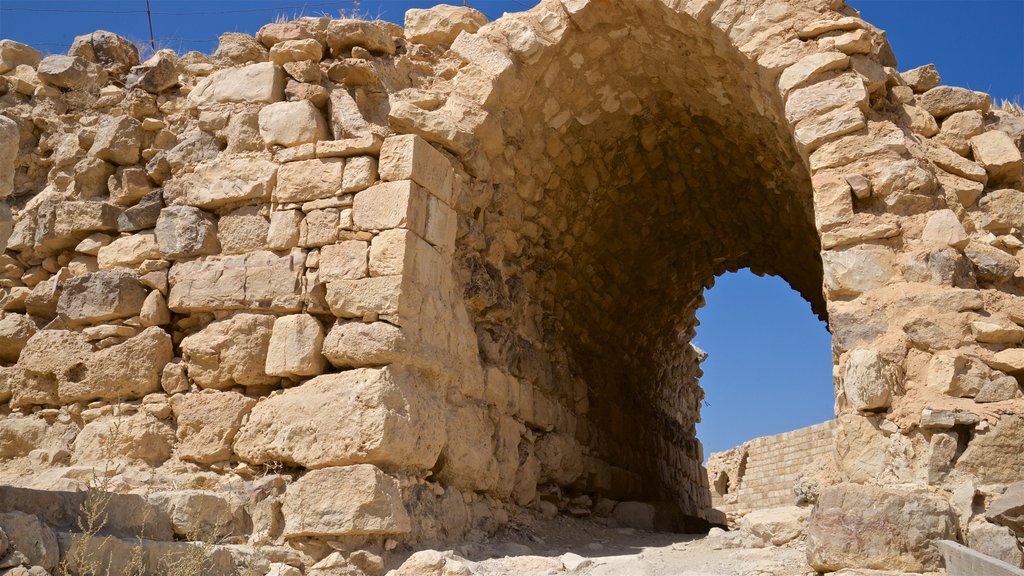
column 559, row 112
column 624, row 156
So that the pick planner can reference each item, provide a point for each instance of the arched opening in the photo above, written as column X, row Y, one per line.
column 722, row 484
column 769, row 364
column 656, row 160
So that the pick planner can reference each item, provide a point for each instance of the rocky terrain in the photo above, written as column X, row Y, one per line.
column 345, row 290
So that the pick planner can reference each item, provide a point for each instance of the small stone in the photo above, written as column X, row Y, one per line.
column 143, row 215
column 115, row 53
column 441, row 24
column 865, row 381
column 185, row 232
column 295, row 347
column 156, row 74
column 943, row 227
column 922, row 78
column 117, row 140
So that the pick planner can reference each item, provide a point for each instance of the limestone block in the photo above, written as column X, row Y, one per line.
column 943, row 227
column 833, row 201
column 243, row 230
column 137, row 437
column 1007, row 509
column 186, row 232
column 319, row 228
column 358, row 344
column 389, row 417
column 991, row 264
column 343, row 148
column 561, row 458
column 156, row 74
column 846, row 89
column 15, row 331
column 360, row 173
column 278, row 32
column 468, row 458
column 283, row 233
column 814, row 131
column 637, row 515
column 922, row 78
column 260, row 82
column 442, row 225
column 154, row 311
column 36, row 542
column 230, row 180
column 400, row 204
column 994, row 332
column 866, row 380
column 20, row 435
column 230, row 352
column 14, row 54
column 346, row 33
column 810, row 67
column 307, row 180
column 295, row 347
column 956, row 375
column 1003, row 210
column 6, row 224
column 101, row 296
column 355, row 500
column 75, row 220
column 853, row 526
column 347, row 121
column 957, row 130
column 920, row 122
column 193, row 512
column 142, row 215
column 393, row 251
column 10, row 136
column 114, row 53
column 207, row 423
column 955, row 164
column 70, row 72
column 855, row 271
column 776, row 526
column 383, row 295
column 129, row 251
column 409, row 157
column 297, row 50
column 344, row 260
column 291, row 123
column 1010, row 360
column 996, row 541
column 942, row 101
column 1001, row 158
column 441, row 24
column 999, row 389
column 260, row 281
column 118, row 140
column 994, row 456
column 881, row 137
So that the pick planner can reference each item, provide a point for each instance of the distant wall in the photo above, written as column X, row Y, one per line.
column 762, row 473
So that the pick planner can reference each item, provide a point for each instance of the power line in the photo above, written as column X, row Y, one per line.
column 197, row 13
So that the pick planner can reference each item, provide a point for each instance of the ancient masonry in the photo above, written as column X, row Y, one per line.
column 769, row 472
column 346, row 286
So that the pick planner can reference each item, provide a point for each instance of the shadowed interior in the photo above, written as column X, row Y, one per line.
column 648, row 160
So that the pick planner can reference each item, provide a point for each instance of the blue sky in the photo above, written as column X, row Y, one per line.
column 769, row 368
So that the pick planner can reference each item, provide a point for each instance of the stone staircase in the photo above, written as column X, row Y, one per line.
column 773, row 467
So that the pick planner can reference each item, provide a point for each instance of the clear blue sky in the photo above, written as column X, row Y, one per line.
column 769, row 369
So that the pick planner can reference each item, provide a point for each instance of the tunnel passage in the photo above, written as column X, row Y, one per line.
column 644, row 158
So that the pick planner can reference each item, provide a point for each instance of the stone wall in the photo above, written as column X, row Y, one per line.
column 767, row 472
column 423, row 278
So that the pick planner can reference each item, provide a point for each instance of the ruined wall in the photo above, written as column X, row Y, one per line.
column 422, row 278
column 771, row 471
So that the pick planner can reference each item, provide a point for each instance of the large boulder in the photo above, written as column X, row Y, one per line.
column 61, row 367
column 101, row 296
column 137, row 437
column 260, row 82
column 389, row 417
column 355, row 500
column 292, row 123
column 995, row 456
column 861, row 526
column 230, row 352
column 295, row 347
column 14, row 54
column 114, row 53
column 441, row 24
column 207, row 424
column 70, row 72
column 186, row 232
column 1007, row 509
column 776, row 526
column 865, row 381
column 118, row 139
